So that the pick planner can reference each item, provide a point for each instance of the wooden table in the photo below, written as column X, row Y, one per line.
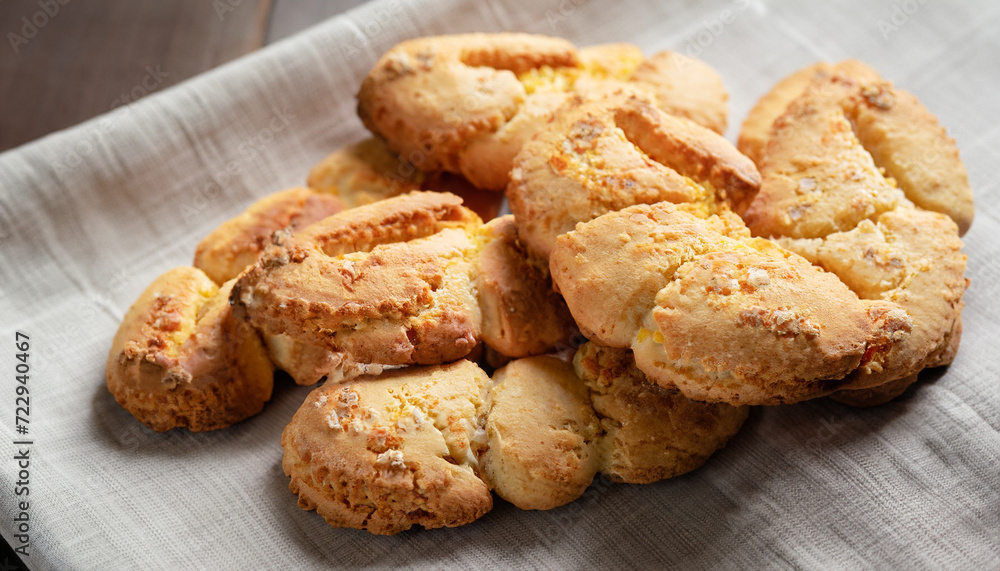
column 64, row 61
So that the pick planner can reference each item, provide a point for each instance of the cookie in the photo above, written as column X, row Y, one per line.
column 404, row 281
column 909, row 257
column 425, row 445
column 649, row 433
column 541, row 434
column 870, row 125
column 467, row 103
column 237, row 243
column 718, row 315
column 861, row 180
column 603, row 155
column 384, row 454
column 180, row 359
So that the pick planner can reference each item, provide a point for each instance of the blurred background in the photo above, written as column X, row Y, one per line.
column 65, row 61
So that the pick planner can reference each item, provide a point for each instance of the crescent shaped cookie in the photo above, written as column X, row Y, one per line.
column 426, row 445
column 718, row 315
column 603, row 155
column 237, row 243
column 407, row 280
column 181, row 359
column 846, row 186
column 845, row 114
column 467, row 103
column 356, row 175
column 909, row 257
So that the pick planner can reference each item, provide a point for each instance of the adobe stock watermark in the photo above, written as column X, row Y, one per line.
column 224, row 7
column 713, row 28
column 32, row 24
column 86, row 145
column 563, row 11
column 828, row 428
column 248, row 150
column 564, row 520
column 371, row 29
column 79, row 324
column 899, row 17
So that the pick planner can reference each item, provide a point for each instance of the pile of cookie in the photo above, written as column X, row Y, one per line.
column 652, row 283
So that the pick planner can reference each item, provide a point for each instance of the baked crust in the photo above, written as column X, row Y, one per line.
column 425, row 445
column 404, row 281
column 649, row 433
column 386, row 453
column 237, row 243
column 860, row 179
column 718, row 315
column 181, row 359
column 839, row 125
column 603, row 155
column 482, row 96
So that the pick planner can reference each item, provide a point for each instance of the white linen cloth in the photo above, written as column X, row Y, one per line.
column 90, row 215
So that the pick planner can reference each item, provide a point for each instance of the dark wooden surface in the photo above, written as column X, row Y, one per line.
column 82, row 59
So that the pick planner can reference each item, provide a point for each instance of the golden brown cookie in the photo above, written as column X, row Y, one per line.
column 718, row 315
column 912, row 258
column 541, row 434
column 848, row 168
column 386, row 453
column 844, row 115
column 404, row 281
column 604, row 155
column 467, row 103
column 234, row 245
column 388, row 283
column 424, row 445
column 521, row 314
column 181, row 359
column 365, row 172
column 649, row 433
